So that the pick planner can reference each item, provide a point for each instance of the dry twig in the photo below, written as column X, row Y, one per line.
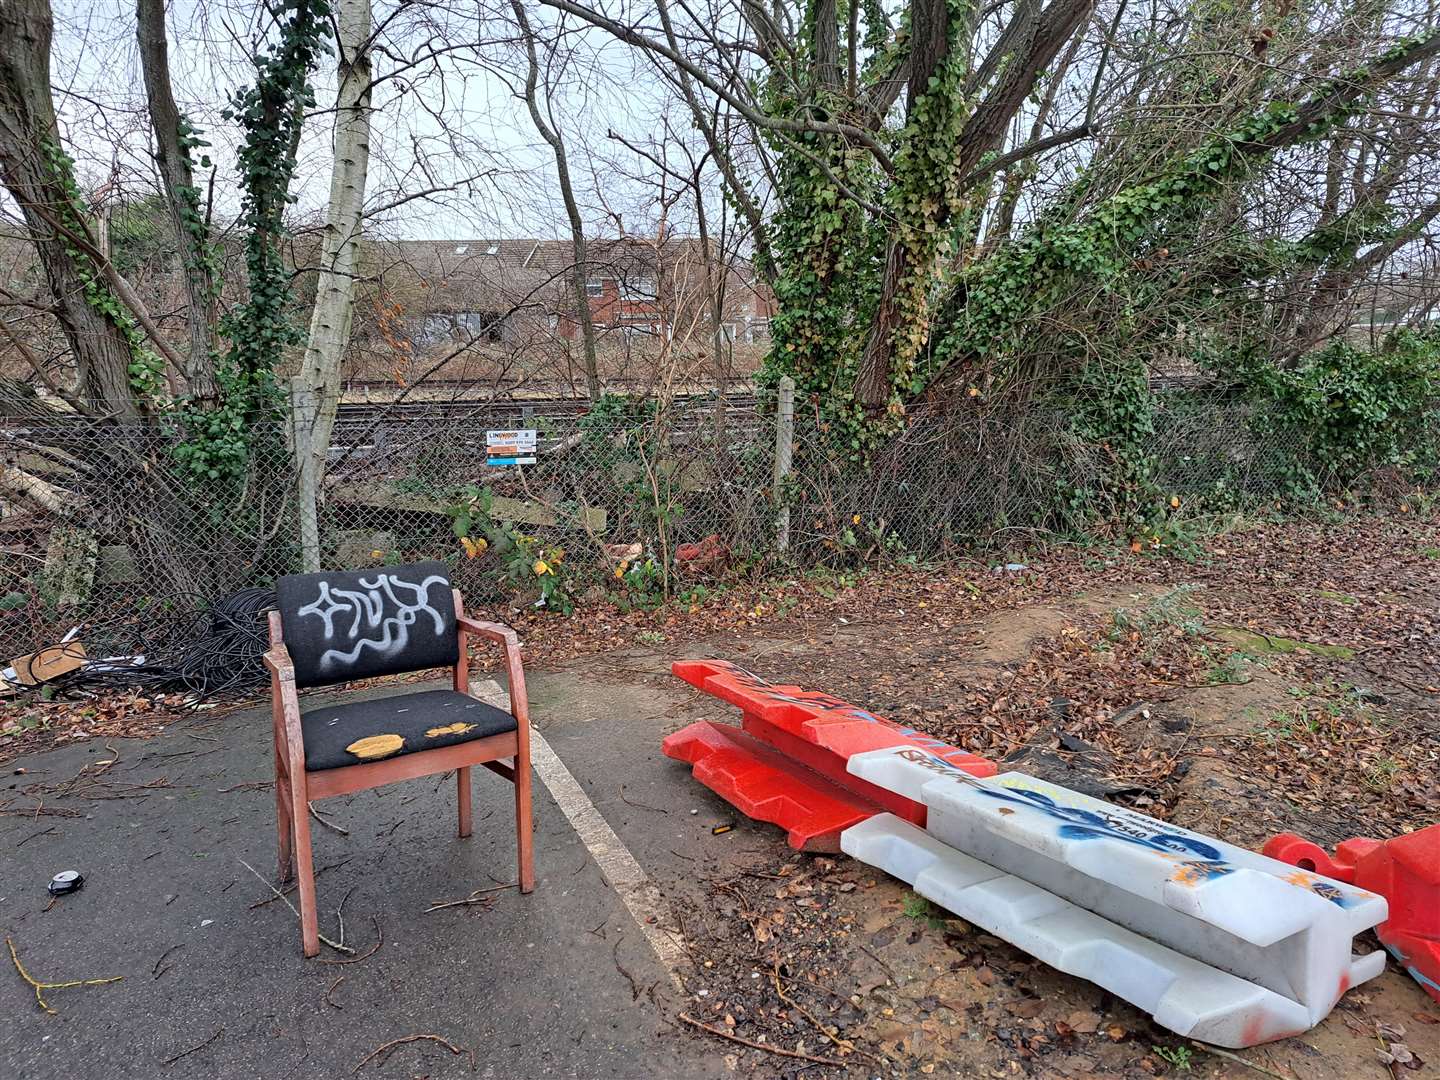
column 33, row 835
column 157, row 970
column 333, row 944
column 326, row 821
column 479, row 896
column 249, row 785
column 415, row 1038
column 634, row 986
column 1228, row 1056
column 195, row 1048
column 38, row 986
column 759, row 1045
column 640, row 805
column 845, row 1045
column 379, row 940
column 340, row 915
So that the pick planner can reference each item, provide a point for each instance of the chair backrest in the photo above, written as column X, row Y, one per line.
column 356, row 624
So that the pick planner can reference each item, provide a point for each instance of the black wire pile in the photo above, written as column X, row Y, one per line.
column 206, row 650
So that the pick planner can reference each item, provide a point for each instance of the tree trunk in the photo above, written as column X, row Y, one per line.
column 715, row 282
column 1029, row 50
column 929, row 34
column 827, row 45
column 38, row 176
column 181, row 196
column 579, row 271
column 319, row 378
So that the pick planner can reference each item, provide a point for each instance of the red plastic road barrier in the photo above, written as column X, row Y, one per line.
column 814, row 731
column 766, row 785
column 1406, row 871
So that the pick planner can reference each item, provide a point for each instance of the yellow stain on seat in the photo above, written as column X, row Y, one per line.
column 456, row 728
column 376, row 746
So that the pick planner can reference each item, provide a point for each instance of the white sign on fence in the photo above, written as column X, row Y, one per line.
column 513, row 447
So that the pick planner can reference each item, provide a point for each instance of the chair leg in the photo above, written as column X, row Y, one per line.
column 305, row 868
column 284, row 830
column 462, row 786
column 524, row 840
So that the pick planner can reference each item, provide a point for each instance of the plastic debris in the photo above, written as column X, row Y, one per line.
column 1216, row 942
column 1406, row 871
column 66, row 882
column 786, row 763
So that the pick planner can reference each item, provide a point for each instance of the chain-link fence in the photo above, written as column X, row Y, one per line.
column 632, row 500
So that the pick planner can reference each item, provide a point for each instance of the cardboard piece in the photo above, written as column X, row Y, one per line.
column 41, row 666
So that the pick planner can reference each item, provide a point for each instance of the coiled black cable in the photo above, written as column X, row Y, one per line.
column 207, row 650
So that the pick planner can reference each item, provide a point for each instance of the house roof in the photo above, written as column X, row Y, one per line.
column 500, row 275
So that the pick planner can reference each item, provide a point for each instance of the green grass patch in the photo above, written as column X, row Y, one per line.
column 1273, row 645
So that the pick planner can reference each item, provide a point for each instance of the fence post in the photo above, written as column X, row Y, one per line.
column 302, row 436
column 784, row 443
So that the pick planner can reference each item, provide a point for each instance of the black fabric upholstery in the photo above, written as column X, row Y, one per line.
column 356, row 624
column 337, row 735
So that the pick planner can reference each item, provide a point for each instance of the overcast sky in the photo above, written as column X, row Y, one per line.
column 456, row 121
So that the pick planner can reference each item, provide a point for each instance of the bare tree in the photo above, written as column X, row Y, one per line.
column 550, row 132
column 317, row 385
column 39, row 176
column 174, row 135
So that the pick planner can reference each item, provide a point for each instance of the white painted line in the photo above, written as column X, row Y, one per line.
column 625, row 875
column 620, row 868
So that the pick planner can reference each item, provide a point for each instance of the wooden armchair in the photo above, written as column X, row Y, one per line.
column 337, row 627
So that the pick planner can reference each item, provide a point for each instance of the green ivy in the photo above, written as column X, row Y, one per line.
column 995, row 300
column 924, row 194
column 1348, row 410
column 146, row 369
column 202, row 253
column 219, row 437
column 827, row 255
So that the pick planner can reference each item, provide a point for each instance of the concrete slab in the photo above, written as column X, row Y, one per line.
column 537, row 986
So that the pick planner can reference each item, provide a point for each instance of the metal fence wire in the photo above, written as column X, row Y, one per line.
column 632, row 500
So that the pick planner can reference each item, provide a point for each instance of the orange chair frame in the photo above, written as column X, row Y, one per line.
column 296, row 786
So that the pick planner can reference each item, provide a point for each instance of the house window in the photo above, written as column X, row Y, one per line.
column 478, row 325
column 635, row 324
column 641, row 287
column 430, row 331
column 760, row 331
column 594, row 288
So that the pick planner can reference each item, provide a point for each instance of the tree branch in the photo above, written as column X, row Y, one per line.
column 784, row 125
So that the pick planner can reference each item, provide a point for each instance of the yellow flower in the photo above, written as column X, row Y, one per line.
column 620, row 571
column 377, row 554
column 540, row 567
column 473, row 548
column 854, row 519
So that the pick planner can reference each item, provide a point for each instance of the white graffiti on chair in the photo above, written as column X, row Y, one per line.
column 369, row 608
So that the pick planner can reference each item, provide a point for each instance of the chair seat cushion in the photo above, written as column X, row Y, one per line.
column 354, row 732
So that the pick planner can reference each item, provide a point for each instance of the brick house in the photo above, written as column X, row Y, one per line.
column 499, row 298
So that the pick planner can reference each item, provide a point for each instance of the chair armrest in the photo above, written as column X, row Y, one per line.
column 509, row 641
column 491, row 631
column 285, row 705
column 277, row 659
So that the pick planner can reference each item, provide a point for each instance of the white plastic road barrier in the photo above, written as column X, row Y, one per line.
column 1184, row 995
column 1217, row 942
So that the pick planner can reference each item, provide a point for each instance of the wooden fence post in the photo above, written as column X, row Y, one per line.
column 307, row 500
column 784, row 444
